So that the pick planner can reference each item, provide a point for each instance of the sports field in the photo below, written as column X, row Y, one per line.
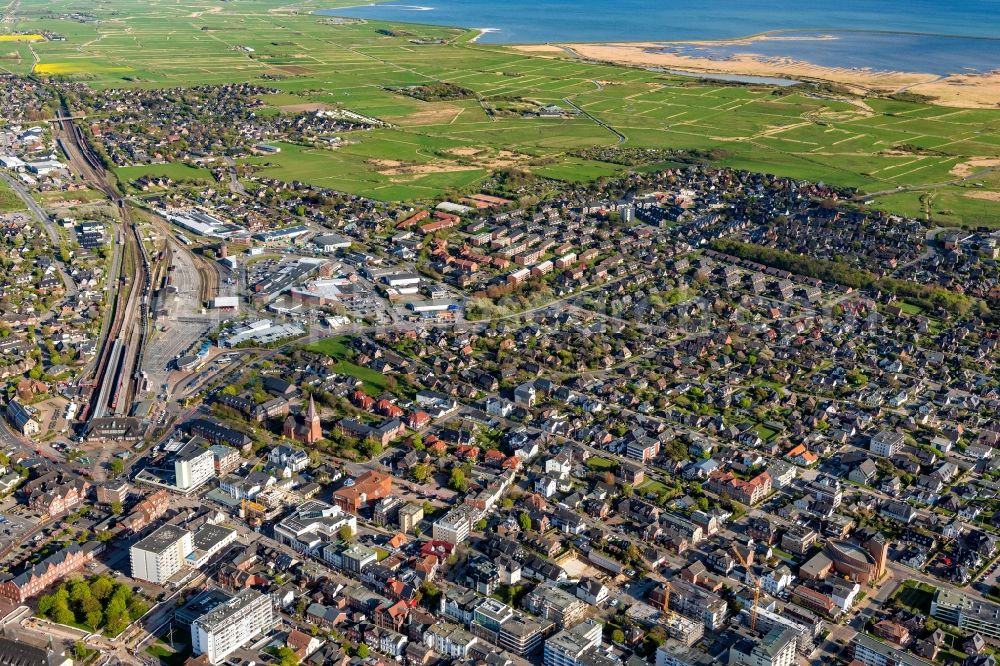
column 918, row 159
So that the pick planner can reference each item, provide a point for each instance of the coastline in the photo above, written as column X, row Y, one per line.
column 976, row 91
column 481, row 32
column 972, row 89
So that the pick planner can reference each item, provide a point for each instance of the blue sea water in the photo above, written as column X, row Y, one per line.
column 938, row 36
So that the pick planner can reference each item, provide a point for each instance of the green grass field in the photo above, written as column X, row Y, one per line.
column 651, row 486
column 601, row 464
column 9, row 201
column 766, row 434
column 915, row 596
column 436, row 147
column 910, row 308
column 336, row 348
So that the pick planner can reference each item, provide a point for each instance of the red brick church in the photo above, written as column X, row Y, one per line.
column 306, row 431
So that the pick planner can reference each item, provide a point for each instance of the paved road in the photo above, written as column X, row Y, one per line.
column 621, row 137
column 235, row 186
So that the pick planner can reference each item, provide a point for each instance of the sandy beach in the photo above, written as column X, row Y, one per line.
column 965, row 90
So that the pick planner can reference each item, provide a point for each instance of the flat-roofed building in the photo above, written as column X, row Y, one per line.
column 966, row 612
column 568, row 647
column 683, row 629
column 193, row 466
column 208, row 540
column 886, row 443
column 312, row 524
column 775, row 648
column 767, row 620
column 520, row 635
column 693, row 601
column 231, row 625
column 410, row 516
column 161, row 555
column 454, row 526
column 113, row 491
column 677, row 653
column 870, row 651
column 555, row 604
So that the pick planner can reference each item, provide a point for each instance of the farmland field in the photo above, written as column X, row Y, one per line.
column 914, row 158
column 21, row 38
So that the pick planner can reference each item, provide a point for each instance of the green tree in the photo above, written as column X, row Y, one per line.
column 45, row 604
column 102, row 587
column 371, row 448
column 346, row 534
column 90, row 604
column 117, row 467
column 63, row 615
column 656, row 637
column 116, row 508
column 525, row 520
column 78, row 591
column 457, row 481
column 362, row 651
column 618, row 636
column 430, row 595
column 137, row 608
column 287, row 656
column 80, row 651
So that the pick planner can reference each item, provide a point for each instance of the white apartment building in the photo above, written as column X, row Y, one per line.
column 455, row 525
column 193, row 466
column 230, row 626
column 886, row 443
column 162, row 554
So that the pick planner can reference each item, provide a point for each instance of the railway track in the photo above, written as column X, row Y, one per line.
column 118, row 378
column 208, row 287
column 208, row 275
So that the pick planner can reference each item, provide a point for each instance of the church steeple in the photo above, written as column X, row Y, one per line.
column 313, row 428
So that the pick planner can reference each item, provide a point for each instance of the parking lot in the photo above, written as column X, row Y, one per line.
column 12, row 527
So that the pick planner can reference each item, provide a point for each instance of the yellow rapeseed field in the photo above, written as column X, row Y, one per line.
column 61, row 68
column 21, row 38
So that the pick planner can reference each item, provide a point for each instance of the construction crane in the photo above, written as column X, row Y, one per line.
column 752, row 580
